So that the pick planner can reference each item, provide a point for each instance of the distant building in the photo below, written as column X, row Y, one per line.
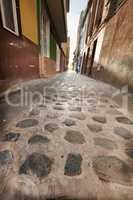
column 77, row 54
column 66, row 49
column 31, row 37
column 109, row 41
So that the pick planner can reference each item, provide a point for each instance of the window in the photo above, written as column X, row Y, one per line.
column 9, row 15
column 114, row 5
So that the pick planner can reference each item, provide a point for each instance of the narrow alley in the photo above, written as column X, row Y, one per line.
column 75, row 145
column 66, row 100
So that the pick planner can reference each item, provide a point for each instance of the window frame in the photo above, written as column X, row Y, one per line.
column 15, row 17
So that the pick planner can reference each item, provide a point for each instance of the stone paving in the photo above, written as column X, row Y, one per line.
column 77, row 144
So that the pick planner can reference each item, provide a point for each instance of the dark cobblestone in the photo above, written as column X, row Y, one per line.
column 95, row 128
column 129, row 144
column 48, row 97
column 129, row 152
column 69, row 122
column 58, row 108
column 123, row 132
column 73, row 165
column 36, row 164
column 124, row 120
column 52, row 115
column 76, row 109
column 11, row 137
column 59, row 104
column 27, row 123
column 112, row 169
column 34, row 112
column 51, row 127
column 38, row 139
column 100, row 119
column 5, row 157
column 79, row 116
column 74, row 137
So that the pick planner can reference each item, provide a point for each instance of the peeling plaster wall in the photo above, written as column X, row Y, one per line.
column 117, row 50
column 18, row 57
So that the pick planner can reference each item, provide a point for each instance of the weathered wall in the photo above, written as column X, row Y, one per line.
column 18, row 57
column 63, row 66
column 58, row 53
column 48, row 67
column 117, row 49
column 28, row 12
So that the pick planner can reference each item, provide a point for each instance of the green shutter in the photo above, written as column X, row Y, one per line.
column 52, row 47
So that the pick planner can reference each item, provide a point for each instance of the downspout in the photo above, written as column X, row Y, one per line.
column 42, row 71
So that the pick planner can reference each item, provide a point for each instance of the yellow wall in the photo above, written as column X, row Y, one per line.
column 28, row 11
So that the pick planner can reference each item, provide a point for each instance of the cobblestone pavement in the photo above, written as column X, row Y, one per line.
column 76, row 144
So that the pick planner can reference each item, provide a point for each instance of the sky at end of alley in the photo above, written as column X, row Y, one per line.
column 76, row 6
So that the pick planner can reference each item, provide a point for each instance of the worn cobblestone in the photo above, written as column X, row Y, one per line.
column 73, row 146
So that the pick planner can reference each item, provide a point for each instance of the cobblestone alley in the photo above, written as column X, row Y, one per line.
column 76, row 144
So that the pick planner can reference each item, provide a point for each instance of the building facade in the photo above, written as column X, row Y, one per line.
column 78, row 57
column 31, row 37
column 109, row 41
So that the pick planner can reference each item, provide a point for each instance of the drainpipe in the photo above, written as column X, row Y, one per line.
column 41, row 39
